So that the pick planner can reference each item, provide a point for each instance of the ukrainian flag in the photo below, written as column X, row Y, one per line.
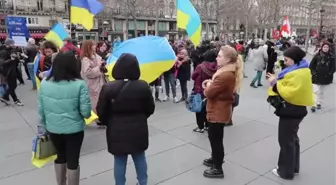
column 154, row 54
column 83, row 11
column 188, row 19
column 57, row 34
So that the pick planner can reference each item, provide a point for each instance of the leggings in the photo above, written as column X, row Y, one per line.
column 68, row 147
column 257, row 77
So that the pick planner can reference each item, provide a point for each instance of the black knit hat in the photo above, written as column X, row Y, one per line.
column 295, row 53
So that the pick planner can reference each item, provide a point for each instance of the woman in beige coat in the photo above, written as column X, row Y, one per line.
column 93, row 71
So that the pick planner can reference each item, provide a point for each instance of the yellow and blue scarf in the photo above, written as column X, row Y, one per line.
column 294, row 85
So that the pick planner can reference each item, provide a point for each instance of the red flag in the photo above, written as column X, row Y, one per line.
column 285, row 28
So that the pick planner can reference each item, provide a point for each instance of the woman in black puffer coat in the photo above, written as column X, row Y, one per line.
column 322, row 68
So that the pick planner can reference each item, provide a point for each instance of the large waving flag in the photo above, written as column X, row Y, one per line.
column 57, row 34
column 189, row 20
column 83, row 11
column 285, row 28
column 154, row 54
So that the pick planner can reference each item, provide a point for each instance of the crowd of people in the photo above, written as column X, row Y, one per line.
column 73, row 84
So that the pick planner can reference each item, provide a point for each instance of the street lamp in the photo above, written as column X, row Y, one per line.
column 321, row 21
column 105, row 26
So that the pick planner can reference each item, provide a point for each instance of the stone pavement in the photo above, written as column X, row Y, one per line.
column 175, row 153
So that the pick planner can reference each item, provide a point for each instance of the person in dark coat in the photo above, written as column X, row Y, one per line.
column 182, row 64
column 124, row 106
column 272, row 57
column 322, row 68
column 204, row 71
column 9, row 62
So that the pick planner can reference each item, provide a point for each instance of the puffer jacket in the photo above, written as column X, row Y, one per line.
column 62, row 106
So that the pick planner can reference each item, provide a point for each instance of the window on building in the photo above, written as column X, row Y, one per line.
column 33, row 20
column 29, row 21
column 40, row 5
column 36, row 20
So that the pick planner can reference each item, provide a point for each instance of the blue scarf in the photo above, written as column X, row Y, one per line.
column 302, row 64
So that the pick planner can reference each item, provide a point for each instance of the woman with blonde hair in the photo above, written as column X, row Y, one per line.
column 93, row 71
column 219, row 92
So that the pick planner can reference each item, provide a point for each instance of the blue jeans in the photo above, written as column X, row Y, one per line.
column 120, row 163
column 30, row 67
column 169, row 80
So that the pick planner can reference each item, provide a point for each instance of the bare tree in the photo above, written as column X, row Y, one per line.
column 131, row 9
column 247, row 7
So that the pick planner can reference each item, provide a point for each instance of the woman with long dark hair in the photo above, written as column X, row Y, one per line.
column 63, row 103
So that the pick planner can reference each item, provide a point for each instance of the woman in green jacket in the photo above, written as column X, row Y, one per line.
column 63, row 103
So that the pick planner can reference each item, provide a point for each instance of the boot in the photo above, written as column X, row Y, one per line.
column 60, row 170
column 213, row 173
column 73, row 177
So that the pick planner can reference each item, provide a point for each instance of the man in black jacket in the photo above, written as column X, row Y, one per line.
column 9, row 61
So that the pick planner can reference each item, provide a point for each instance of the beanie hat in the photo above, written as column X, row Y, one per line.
column 9, row 42
column 295, row 53
column 325, row 43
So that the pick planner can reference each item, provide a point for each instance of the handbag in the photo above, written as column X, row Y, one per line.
column 235, row 100
column 44, row 147
column 194, row 103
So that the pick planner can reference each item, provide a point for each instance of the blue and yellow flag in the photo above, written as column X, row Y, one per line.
column 83, row 11
column 188, row 19
column 155, row 56
column 57, row 34
column 294, row 85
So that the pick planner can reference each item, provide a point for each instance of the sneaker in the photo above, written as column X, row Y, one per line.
column 6, row 102
column 313, row 109
column 176, row 100
column 318, row 106
column 254, row 86
column 181, row 100
column 214, row 173
column 198, row 130
column 260, row 85
column 206, row 128
column 165, row 99
column 275, row 172
column 245, row 76
column 158, row 100
column 18, row 103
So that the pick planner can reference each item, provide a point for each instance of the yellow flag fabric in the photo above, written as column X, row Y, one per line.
column 295, row 87
column 91, row 119
column 39, row 163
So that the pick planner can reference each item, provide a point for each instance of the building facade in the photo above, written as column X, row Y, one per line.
column 120, row 18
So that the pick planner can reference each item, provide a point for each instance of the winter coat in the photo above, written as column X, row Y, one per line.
column 322, row 68
column 31, row 51
column 183, row 71
column 124, row 106
column 94, row 77
column 260, row 58
column 220, row 95
column 62, row 106
column 8, row 64
column 203, row 72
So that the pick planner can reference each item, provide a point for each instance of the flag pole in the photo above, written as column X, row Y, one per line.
column 69, row 12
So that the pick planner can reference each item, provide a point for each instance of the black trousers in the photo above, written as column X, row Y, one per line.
column 25, row 64
column 68, row 147
column 184, row 88
column 201, row 118
column 216, row 135
column 11, row 83
column 289, row 157
column 19, row 75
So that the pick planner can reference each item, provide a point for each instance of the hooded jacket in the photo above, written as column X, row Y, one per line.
column 323, row 68
column 203, row 72
column 124, row 106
